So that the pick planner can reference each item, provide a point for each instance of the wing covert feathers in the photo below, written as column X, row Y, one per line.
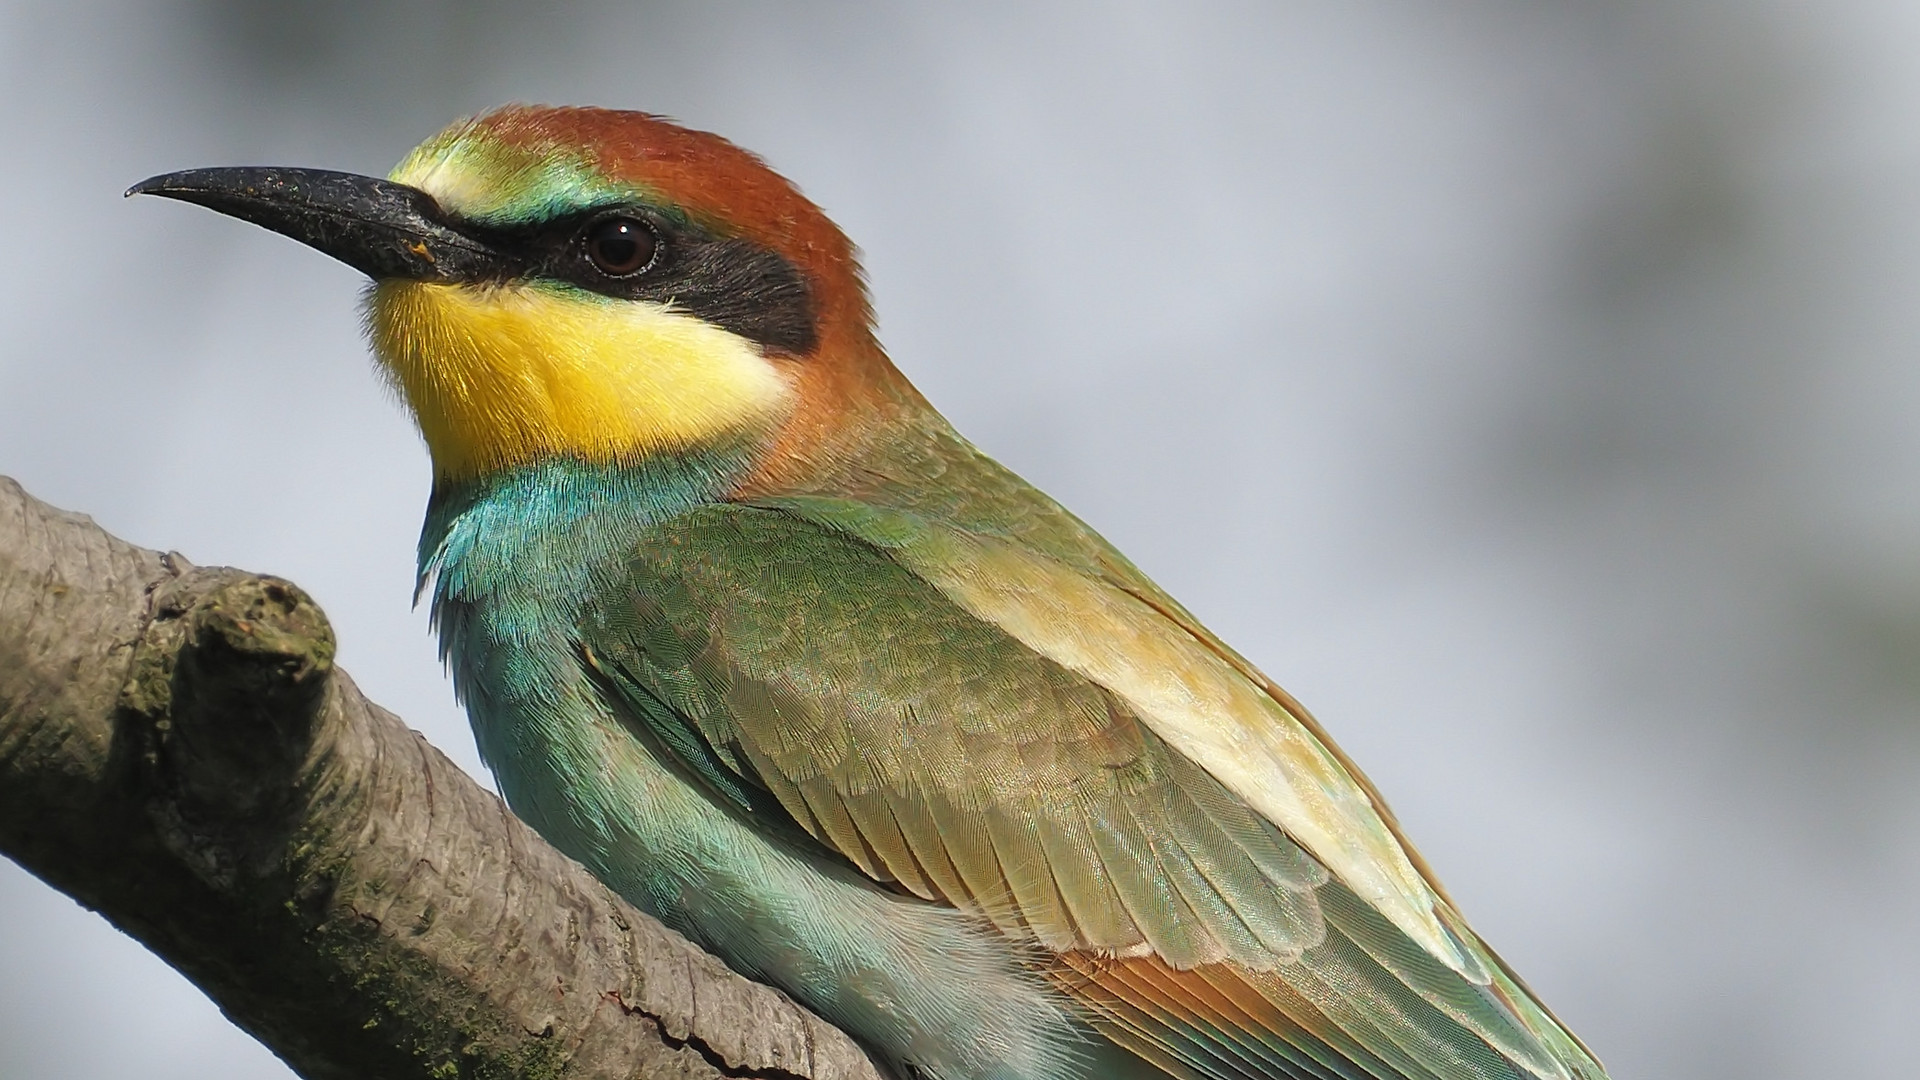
column 812, row 674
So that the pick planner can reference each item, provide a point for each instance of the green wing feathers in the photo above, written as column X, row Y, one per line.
column 931, row 750
column 812, row 677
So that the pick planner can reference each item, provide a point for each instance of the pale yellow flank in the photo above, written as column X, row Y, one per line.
column 498, row 375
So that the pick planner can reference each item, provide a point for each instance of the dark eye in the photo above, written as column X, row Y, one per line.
column 621, row 247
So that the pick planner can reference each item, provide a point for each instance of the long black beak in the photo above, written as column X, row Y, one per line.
column 382, row 229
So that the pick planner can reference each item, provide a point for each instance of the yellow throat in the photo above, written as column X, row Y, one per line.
column 499, row 375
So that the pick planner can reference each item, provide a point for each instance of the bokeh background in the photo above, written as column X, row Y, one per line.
column 1530, row 386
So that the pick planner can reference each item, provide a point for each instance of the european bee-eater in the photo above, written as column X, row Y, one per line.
column 743, row 625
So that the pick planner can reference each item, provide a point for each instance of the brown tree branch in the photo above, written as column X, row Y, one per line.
column 178, row 752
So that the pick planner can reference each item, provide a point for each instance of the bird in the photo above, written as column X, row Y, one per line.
column 746, row 627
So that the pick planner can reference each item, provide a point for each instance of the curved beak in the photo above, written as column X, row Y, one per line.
column 382, row 229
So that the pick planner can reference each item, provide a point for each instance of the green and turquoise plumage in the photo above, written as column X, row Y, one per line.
column 747, row 628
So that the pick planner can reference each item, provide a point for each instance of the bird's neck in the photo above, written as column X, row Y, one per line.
column 537, row 537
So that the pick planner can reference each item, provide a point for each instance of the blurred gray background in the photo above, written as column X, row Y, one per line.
column 1529, row 386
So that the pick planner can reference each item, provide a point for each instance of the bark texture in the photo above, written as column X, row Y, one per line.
column 178, row 752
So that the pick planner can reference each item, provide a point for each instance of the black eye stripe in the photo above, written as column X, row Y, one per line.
column 728, row 281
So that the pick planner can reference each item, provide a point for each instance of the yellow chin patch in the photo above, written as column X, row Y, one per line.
column 499, row 375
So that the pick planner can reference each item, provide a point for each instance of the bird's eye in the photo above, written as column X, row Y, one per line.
column 621, row 247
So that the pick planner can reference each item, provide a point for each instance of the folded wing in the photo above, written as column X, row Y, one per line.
column 900, row 693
